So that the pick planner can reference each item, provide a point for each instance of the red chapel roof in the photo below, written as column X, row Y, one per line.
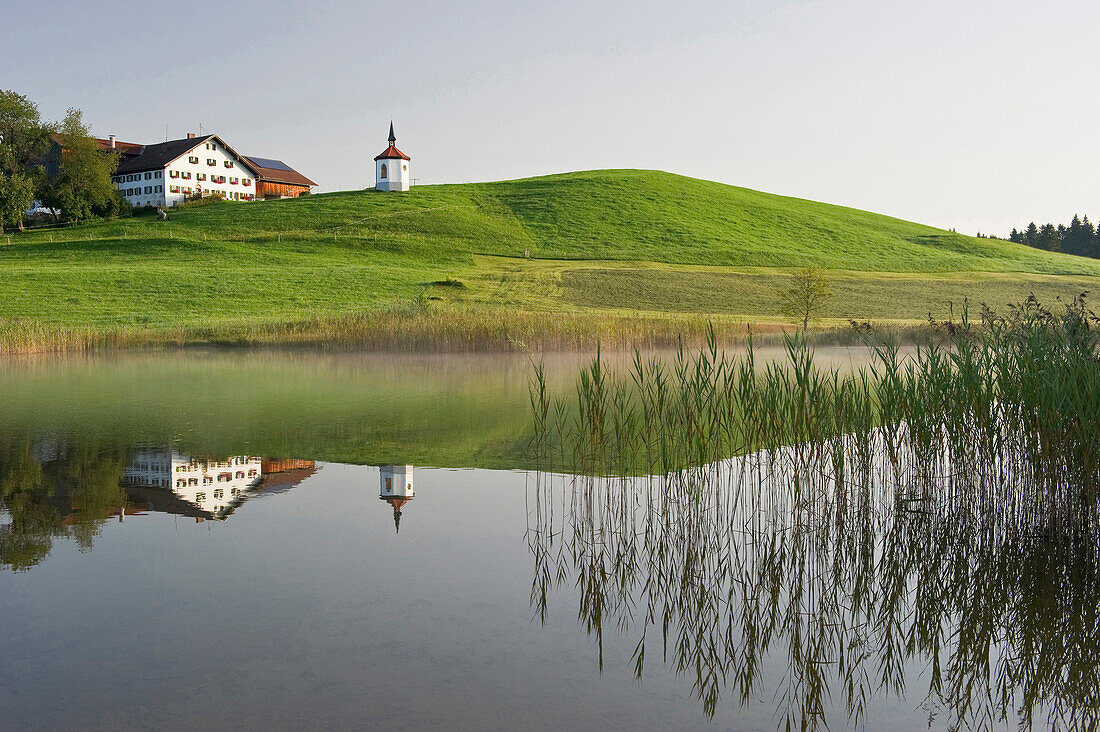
column 392, row 153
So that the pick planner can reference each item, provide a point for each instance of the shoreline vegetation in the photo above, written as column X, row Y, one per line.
column 450, row 331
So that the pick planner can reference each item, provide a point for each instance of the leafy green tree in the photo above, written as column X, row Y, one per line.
column 16, row 196
column 805, row 296
column 82, row 188
column 24, row 140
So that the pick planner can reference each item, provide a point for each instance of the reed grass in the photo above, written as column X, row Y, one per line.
column 936, row 509
column 414, row 326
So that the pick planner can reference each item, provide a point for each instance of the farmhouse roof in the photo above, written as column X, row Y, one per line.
column 276, row 171
column 126, row 148
column 156, row 156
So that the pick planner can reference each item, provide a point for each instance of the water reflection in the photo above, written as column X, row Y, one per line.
column 191, row 486
column 51, row 488
column 396, row 489
column 761, row 580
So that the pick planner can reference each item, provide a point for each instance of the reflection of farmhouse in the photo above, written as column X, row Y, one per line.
column 396, row 489
column 176, row 483
column 282, row 475
column 167, row 481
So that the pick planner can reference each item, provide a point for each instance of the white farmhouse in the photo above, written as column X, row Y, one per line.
column 167, row 173
column 391, row 168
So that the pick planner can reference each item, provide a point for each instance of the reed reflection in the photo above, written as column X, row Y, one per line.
column 925, row 529
column 758, row 580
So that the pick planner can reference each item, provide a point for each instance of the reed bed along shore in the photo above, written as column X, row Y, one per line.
column 821, row 539
column 417, row 327
column 1012, row 395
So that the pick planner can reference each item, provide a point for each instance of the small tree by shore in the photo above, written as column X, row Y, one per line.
column 805, row 296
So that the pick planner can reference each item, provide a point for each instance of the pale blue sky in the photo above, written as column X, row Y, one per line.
column 977, row 115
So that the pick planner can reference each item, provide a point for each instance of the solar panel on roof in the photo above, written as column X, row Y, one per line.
column 269, row 163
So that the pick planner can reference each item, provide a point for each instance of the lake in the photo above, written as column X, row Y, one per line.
column 226, row 539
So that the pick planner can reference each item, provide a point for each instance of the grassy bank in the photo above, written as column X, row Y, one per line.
column 549, row 262
column 406, row 329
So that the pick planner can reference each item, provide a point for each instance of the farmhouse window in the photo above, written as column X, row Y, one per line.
column 173, row 189
column 148, row 189
column 233, row 181
column 200, row 176
column 173, row 174
column 229, row 163
column 148, row 176
column 187, row 174
column 158, row 189
column 192, row 158
column 200, row 496
column 158, row 175
column 211, row 161
column 246, row 182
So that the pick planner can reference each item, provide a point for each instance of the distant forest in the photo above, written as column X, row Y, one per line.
column 1080, row 237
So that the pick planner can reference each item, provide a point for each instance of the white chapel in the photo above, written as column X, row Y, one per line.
column 391, row 168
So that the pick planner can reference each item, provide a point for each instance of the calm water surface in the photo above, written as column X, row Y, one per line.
column 228, row 540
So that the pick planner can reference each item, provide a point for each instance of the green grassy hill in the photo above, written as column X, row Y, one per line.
column 600, row 243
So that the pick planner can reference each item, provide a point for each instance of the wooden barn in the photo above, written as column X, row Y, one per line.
column 276, row 179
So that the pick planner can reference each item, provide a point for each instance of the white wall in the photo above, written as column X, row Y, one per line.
column 143, row 186
column 203, row 483
column 220, row 156
column 182, row 166
column 397, row 178
column 396, row 481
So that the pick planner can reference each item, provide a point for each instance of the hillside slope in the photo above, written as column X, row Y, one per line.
column 600, row 240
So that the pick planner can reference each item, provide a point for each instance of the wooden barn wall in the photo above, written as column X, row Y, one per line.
column 267, row 188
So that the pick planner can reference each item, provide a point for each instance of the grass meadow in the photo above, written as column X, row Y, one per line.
column 556, row 261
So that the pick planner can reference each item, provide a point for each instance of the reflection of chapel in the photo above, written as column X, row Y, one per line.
column 396, row 489
column 391, row 168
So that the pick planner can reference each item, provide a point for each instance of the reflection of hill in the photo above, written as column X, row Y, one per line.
column 470, row 411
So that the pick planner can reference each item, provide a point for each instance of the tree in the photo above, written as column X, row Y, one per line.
column 82, row 187
column 1049, row 238
column 1031, row 235
column 16, row 196
column 24, row 140
column 805, row 296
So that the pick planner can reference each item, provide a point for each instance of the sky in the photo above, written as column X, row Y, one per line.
column 978, row 116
